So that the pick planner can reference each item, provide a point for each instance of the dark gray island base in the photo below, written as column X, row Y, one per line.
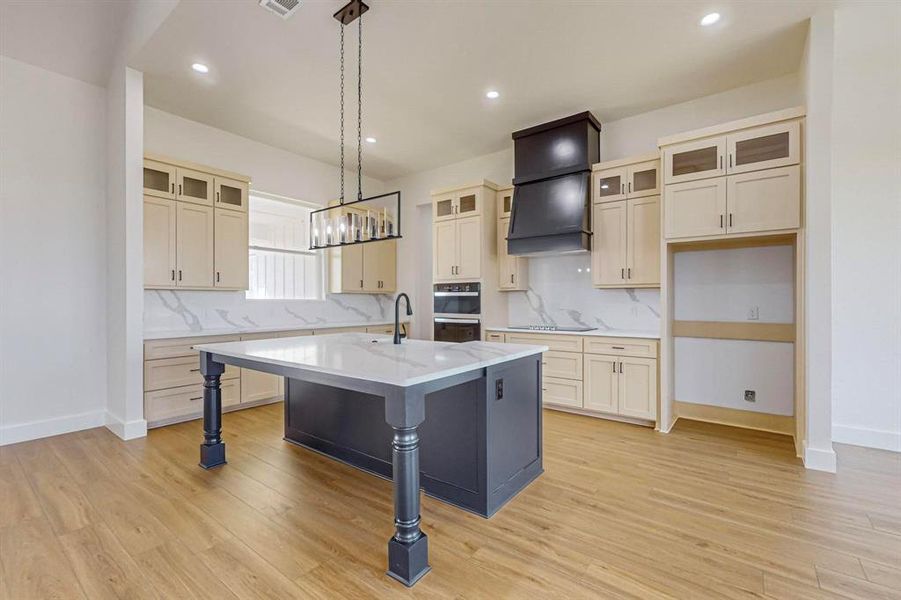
column 469, row 414
column 476, row 451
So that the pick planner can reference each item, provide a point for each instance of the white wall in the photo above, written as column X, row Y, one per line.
column 52, row 253
column 273, row 171
column 866, row 226
column 638, row 134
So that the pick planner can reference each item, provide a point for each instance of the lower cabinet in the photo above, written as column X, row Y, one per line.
column 607, row 376
column 256, row 385
column 621, row 385
column 173, row 404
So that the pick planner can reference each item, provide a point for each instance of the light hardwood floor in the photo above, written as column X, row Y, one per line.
column 621, row 512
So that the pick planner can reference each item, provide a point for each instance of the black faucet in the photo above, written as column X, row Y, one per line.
column 397, row 334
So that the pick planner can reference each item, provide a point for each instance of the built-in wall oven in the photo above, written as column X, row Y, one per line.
column 458, row 312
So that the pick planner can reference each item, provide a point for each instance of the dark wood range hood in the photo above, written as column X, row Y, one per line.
column 552, row 172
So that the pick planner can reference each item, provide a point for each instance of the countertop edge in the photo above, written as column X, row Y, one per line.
column 174, row 335
column 646, row 335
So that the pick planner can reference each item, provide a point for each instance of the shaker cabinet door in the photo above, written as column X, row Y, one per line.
column 643, row 238
column 231, row 193
column 444, row 252
column 469, row 248
column 694, row 160
column 608, row 252
column 764, row 200
column 644, row 179
column 764, row 147
column 231, row 258
column 194, row 186
column 159, row 242
column 638, row 388
column 159, row 179
column 601, row 382
column 194, row 245
column 695, row 208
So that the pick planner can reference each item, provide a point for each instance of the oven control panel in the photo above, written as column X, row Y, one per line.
column 457, row 287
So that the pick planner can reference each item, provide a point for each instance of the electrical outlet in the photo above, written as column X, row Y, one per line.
column 750, row 396
column 754, row 313
column 499, row 389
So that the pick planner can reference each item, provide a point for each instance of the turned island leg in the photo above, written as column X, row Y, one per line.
column 212, row 450
column 408, row 549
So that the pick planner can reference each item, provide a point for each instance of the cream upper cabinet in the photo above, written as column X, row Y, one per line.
column 643, row 179
column 469, row 248
column 643, row 241
column 512, row 271
column 601, row 383
column 608, row 253
column 637, row 388
column 159, row 242
column 194, row 186
column 444, row 252
column 609, row 185
column 380, row 266
column 695, row 208
column 194, row 245
column 346, row 269
column 766, row 147
column 764, row 200
column 694, row 160
column 231, row 193
column 505, row 203
column 459, row 204
column 232, row 257
column 159, row 179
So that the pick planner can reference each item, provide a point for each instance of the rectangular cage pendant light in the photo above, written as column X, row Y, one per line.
column 368, row 220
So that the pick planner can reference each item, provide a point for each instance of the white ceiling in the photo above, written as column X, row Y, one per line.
column 77, row 38
column 427, row 65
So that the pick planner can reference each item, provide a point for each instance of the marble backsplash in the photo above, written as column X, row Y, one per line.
column 560, row 293
column 173, row 311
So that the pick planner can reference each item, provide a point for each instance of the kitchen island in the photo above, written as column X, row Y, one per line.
column 481, row 447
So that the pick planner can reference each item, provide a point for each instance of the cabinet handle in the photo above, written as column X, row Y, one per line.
column 179, row 189
column 361, row 284
column 173, row 274
column 721, row 162
column 195, row 370
column 730, row 160
column 217, row 196
column 630, row 187
column 217, row 276
column 196, row 398
column 730, row 219
column 511, row 278
column 622, row 189
column 629, row 273
column 618, row 347
column 179, row 274
column 614, row 366
column 721, row 221
column 622, row 273
column 173, row 188
column 620, row 366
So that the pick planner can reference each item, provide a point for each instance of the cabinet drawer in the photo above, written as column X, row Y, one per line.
column 561, row 343
column 182, row 346
column 384, row 329
column 295, row 333
column 564, row 392
column 173, row 372
column 186, row 400
column 565, row 365
column 622, row 347
column 494, row 336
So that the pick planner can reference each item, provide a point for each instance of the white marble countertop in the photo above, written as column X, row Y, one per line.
column 374, row 357
column 181, row 333
column 620, row 333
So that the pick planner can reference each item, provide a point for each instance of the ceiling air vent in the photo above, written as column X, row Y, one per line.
column 283, row 8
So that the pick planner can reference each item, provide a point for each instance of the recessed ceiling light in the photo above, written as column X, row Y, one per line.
column 200, row 68
column 710, row 19
column 370, row 140
column 492, row 94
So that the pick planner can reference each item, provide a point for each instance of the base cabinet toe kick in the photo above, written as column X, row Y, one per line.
column 471, row 439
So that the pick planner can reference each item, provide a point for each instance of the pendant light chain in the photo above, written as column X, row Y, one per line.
column 341, row 199
column 360, row 108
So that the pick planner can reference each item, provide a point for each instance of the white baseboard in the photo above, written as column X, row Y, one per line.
column 869, row 438
column 23, row 432
column 127, row 430
column 818, row 459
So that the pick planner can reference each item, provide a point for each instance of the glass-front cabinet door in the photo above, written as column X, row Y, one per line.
column 159, row 179
column 644, row 179
column 609, row 185
column 443, row 208
column 468, row 204
column 764, row 147
column 231, row 194
column 694, row 160
column 194, row 186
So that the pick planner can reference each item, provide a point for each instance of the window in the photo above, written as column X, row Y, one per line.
column 281, row 264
